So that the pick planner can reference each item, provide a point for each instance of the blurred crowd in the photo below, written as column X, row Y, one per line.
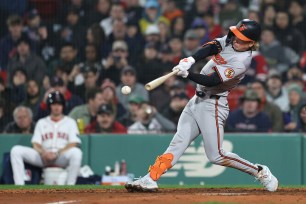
column 88, row 49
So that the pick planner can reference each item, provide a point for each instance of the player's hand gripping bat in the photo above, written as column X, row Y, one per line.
column 156, row 82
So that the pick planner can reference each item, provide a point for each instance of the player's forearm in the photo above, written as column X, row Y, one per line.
column 205, row 80
column 208, row 49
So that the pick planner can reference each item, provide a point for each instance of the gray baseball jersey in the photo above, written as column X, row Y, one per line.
column 230, row 66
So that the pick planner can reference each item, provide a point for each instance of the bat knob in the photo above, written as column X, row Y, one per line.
column 148, row 87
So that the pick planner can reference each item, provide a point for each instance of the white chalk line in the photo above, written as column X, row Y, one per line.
column 64, row 202
column 223, row 194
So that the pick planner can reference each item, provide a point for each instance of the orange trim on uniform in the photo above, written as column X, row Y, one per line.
column 160, row 166
column 216, row 70
column 239, row 34
column 219, row 145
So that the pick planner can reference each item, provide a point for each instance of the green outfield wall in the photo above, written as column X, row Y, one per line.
column 283, row 153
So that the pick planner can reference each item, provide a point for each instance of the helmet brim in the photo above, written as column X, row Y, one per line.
column 239, row 35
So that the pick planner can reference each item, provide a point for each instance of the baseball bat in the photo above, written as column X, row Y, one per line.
column 156, row 82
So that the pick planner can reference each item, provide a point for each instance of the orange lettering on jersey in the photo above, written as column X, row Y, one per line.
column 242, row 27
column 229, row 73
column 219, row 59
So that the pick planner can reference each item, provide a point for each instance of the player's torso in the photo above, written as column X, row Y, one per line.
column 55, row 135
column 234, row 66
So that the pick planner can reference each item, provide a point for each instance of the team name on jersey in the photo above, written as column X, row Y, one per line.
column 218, row 59
column 50, row 135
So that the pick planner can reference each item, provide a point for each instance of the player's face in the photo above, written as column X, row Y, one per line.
column 56, row 109
column 250, row 106
column 23, row 119
column 241, row 45
column 105, row 121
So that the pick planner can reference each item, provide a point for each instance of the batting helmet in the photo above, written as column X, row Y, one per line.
column 246, row 30
column 55, row 97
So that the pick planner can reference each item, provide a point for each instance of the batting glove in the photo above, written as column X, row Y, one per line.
column 186, row 63
column 183, row 73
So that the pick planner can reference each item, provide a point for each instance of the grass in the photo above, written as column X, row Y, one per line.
column 86, row 187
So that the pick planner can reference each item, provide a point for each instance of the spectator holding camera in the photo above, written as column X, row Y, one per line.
column 150, row 122
column 116, row 61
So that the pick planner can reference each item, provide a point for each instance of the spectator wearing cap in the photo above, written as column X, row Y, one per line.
column 134, row 104
column 276, row 93
column 116, row 61
column 116, row 13
column 23, row 121
column 71, row 100
column 129, row 78
column 149, row 67
column 8, row 43
column 33, row 65
column 87, row 80
column 152, row 35
column 120, row 33
column 291, row 117
column 191, row 42
column 150, row 121
column 170, row 10
column 151, row 15
column 109, row 97
column 88, row 112
column 176, row 107
column 272, row 110
column 201, row 28
column 106, row 122
column 249, row 118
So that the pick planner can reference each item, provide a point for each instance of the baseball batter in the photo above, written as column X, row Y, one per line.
column 55, row 142
column 207, row 111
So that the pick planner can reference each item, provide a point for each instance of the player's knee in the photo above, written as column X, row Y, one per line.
column 76, row 153
column 16, row 150
column 214, row 159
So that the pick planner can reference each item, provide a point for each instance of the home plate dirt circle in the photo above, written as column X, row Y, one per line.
column 164, row 195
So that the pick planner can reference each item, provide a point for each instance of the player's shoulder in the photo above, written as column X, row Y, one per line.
column 43, row 120
column 68, row 119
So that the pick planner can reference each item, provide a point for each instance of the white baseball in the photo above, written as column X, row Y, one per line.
column 126, row 90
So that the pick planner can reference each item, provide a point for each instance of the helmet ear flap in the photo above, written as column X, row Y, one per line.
column 229, row 37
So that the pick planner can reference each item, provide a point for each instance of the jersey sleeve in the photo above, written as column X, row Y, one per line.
column 227, row 73
column 222, row 41
column 74, row 132
column 37, row 136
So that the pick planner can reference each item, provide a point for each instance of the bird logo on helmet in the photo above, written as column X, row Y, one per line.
column 246, row 30
column 55, row 97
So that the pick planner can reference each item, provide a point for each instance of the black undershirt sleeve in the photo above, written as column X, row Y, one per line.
column 205, row 80
column 208, row 49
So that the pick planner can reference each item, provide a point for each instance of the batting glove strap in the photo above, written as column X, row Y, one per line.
column 186, row 63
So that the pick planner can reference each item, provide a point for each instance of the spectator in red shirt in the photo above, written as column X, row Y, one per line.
column 105, row 122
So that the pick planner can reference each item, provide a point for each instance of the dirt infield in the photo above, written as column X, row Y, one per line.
column 166, row 195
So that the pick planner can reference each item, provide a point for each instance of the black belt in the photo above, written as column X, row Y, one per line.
column 201, row 94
